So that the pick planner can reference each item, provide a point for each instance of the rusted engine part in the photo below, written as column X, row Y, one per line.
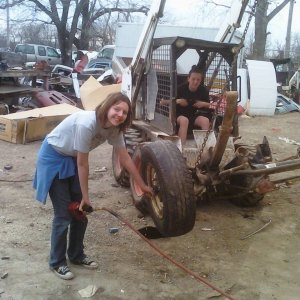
column 48, row 98
column 210, row 151
column 254, row 178
column 208, row 162
column 245, row 175
column 205, row 160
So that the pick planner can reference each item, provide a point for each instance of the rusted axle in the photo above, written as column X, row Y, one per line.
column 266, row 169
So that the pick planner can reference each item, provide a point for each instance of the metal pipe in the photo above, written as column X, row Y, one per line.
column 230, row 171
column 271, row 168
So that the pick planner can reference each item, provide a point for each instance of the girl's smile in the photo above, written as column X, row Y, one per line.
column 117, row 114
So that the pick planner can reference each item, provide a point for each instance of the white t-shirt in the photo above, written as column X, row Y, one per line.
column 82, row 132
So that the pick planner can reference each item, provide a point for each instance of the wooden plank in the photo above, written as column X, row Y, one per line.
column 22, row 73
column 7, row 89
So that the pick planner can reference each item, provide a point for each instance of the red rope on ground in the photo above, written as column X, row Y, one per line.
column 179, row 265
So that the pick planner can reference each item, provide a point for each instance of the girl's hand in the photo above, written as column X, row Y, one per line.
column 164, row 102
column 201, row 104
column 147, row 190
column 84, row 202
column 182, row 102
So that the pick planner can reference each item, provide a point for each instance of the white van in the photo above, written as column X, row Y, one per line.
column 37, row 53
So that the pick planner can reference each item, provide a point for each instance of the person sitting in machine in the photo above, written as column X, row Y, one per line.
column 192, row 104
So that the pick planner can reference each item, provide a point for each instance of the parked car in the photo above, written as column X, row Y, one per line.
column 103, row 59
column 37, row 53
column 107, row 52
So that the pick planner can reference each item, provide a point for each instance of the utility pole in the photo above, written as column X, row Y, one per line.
column 288, row 37
column 288, row 31
column 7, row 25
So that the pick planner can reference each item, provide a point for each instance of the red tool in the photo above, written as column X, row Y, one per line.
column 78, row 214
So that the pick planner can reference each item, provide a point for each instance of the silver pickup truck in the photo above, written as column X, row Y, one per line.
column 37, row 53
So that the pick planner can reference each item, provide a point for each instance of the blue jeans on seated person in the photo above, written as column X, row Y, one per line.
column 62, row 192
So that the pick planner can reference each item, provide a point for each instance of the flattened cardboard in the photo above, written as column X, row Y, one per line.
column 32, row 125
column 92, row 93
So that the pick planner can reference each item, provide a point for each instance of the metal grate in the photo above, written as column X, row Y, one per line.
column 217, row 75
column 162, row 65
column 218, row 80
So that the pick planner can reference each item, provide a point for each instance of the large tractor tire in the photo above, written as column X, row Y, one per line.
column 139, row 199
column 132, row 138
column 173, row 206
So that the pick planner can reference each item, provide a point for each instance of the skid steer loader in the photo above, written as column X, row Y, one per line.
column 212, row 164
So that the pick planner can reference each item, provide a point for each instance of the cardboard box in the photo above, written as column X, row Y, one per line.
column 32, row 125
column 92, row 93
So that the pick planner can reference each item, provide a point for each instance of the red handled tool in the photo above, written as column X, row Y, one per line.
column 78, row 214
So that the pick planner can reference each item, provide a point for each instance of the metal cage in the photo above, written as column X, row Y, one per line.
column 171, row 60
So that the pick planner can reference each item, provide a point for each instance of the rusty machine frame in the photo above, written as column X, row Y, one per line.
column 213, row 163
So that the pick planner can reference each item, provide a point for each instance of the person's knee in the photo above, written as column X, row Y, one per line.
column 202, row 122
column 206, row 124
column 183, row 121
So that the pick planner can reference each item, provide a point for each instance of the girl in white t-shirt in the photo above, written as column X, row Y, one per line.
column 63, row 169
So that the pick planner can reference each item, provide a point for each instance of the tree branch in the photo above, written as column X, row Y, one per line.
column 11, row 4
column 55, row 17
column 217, row 4
column 42, row 7
column 103, row 11
column 276, row 10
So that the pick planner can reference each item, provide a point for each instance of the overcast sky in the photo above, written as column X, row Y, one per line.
column 192, row 13
column 188, row 12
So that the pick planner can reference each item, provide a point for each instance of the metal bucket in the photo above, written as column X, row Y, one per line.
column 199, row 136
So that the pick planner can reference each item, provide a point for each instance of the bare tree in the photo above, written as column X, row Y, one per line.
column 295, row 50
column 91, row 14
column 79, row 21
column 71, row 16
column 34, row 33
column 262, row 19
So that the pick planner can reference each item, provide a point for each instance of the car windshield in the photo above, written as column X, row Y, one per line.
column 52, row 52
column 106, row 53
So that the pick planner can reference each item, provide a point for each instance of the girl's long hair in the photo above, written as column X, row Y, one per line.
column 103, row 108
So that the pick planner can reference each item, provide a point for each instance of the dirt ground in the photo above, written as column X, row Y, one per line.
column 264, row 266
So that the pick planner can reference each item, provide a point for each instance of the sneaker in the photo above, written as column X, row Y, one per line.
column 86, row 262
column 63, row 272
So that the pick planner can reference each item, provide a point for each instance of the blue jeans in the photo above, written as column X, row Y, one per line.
column 62, row 192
